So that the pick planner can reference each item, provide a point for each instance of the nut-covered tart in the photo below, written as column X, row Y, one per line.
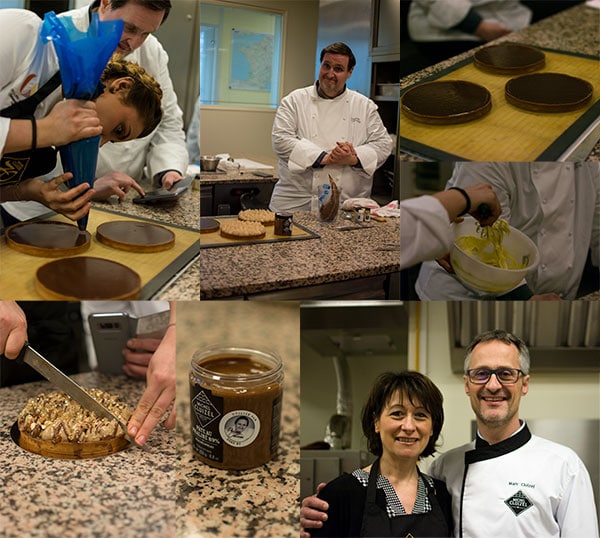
column 264, row 216
column 239, row 229
column 53, row 424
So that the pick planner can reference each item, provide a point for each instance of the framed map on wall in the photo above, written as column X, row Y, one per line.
column 251, row 61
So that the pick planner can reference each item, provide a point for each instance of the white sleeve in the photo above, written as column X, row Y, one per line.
column 378, row 146
column 299, row 153
column 425, row 230
column 576, row 514
column 167, row 150
column 17, row 28
column 445, row 14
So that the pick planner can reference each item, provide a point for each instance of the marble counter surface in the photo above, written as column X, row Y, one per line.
column 257, row 503
column 127, row 494
column 335, row 256
column 573, row 30
column 185, row 212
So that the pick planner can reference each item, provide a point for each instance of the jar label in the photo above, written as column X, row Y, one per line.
column 206, row 411
column 239, row 428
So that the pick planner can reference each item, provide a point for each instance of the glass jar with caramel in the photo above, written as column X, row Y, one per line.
column 235, row 398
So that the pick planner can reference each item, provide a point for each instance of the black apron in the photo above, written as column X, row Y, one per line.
column 376, row 522
column 15, row 167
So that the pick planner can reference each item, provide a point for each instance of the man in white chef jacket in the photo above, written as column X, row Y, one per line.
column 557, row 205
column 161, row 156
column 509, row 482
column 327, row 129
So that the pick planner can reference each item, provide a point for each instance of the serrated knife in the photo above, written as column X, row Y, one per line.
column 30, row 356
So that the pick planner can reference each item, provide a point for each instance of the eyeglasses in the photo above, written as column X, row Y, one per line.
column 505, row 376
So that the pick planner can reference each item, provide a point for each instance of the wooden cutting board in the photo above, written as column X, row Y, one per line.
column 155, row 269
column 215, row 239
column 506, row 133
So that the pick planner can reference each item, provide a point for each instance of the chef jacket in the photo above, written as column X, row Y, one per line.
column 425, row 231
column 27, row 65
column 163, row 149
column 522, row 487
column 436, row 20
column 557, row 205
column 305, row 126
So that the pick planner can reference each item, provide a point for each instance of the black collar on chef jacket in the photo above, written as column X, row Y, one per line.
column 484, row 451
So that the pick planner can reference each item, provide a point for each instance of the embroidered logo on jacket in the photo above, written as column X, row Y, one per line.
column 518, row 503
column 11, row 169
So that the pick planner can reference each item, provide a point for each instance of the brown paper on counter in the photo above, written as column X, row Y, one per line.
column 507, row 133
column 18, row 269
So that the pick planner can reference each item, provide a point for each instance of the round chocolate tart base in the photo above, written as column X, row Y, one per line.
column 446, row 102
column 548, row 92
column 135, row 236
column 85, row 277
column 47, row 239
column 208, row 225
column 509, row 59
column 66, row 450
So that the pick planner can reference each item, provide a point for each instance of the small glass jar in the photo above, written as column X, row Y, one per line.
column 235, row 398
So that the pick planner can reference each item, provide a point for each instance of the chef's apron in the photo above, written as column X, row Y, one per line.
column 376, row 522
column 15, row 167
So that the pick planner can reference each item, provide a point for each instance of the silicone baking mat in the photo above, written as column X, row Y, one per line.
column 507, row 133
column 155, row 268
column 215, row 239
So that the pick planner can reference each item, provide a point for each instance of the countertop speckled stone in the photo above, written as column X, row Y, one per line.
column 335, row 256
column 128, row 494
column 257, row 503
column 573, row 30
column 186, row 212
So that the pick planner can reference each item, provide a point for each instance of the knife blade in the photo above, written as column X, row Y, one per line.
column 31, row 357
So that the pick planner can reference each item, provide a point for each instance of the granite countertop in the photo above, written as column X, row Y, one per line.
column 573, row 30
column 127, row 494
column 334, row 257
column 242, row 175
column 257, row 503
column 185, row 212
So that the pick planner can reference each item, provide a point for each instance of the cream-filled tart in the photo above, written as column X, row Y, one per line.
column 53, row 424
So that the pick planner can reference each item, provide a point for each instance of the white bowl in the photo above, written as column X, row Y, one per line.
column 480, row 276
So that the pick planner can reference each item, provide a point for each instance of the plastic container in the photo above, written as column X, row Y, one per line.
column 235, row 399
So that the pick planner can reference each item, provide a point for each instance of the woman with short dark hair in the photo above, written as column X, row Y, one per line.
column 402, row 420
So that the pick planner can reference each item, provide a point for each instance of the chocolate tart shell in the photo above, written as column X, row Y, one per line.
column 47, row 239
column 509, row 59
column 135, row 236
column 86, row 277
column 548, row 92
column 446, row 102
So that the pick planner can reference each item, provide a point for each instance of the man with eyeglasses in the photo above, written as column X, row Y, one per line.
column 508, row 482
column 161, row 156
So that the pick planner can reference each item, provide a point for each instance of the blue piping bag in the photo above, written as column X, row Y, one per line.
column 82, row 57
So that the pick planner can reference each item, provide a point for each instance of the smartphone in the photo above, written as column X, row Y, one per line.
column 110, row 332
column 262, row 174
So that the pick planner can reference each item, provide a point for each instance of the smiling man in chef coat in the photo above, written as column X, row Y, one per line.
column 327, row 129
column 162, row 155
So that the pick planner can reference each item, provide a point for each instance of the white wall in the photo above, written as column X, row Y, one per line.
column 240, row 131
column 551, row 395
